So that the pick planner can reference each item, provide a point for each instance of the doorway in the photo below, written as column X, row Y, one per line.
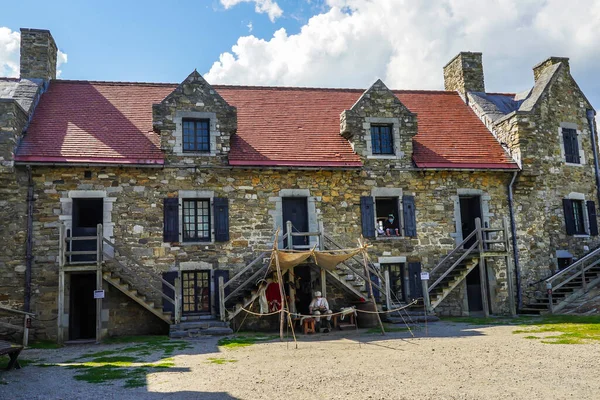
column 303, row 280
column 295, row 209
column 82, row 306
column 396, row 273
column 414, row 280
column 470, row 209
column 195, row 286
column 87, row 214
column 474, row 291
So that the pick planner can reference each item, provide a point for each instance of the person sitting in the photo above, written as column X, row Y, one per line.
column 391, row 226
column 318, row 306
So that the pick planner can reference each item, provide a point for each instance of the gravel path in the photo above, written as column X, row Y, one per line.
column 455, row 361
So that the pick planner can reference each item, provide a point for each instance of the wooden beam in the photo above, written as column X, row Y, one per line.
column 482, row 272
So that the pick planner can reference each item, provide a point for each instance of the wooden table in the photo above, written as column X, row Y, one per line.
column 351, row 318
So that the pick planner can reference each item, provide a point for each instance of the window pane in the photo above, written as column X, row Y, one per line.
column 381, row 139
column 578, row 217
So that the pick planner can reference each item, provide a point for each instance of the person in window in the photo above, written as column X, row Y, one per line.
column 391, row 226
column 318, row 306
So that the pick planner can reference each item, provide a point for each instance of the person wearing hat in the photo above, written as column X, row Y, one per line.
column 318, row 306
column 391, row 226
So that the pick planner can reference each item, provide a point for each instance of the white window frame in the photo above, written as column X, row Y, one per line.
column 378, row 193
column 196, row 195
column 178, row 134
column 568, row 125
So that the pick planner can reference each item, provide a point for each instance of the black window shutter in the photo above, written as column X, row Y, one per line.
column 571, row 146
column 171, row 219
column 169, row 277
column 221, row 212
column 367, row 214
column 591, row 209
column 216, row 274
column 569, row 218
column 410, row 219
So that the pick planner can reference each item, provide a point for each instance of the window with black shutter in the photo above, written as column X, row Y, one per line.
column 196, row 220
column 367, row 216
column 381, row 139
column 571, row 145
column 196, row 135
column 574, row 217
column 410, row 218
column 592, row 217
column 221, row 212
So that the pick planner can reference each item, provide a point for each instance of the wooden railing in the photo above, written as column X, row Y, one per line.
column 573, row 271
column 483, row 246
column 26, row 322
column 100, row 255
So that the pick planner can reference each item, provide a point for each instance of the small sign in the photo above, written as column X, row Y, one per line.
column 98, row 294
column 424, row 276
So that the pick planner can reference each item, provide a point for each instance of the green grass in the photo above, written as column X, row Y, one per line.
column 243, row 341
column 487, row 321
column 564, row 329
column 44, row 344
column 220, row 361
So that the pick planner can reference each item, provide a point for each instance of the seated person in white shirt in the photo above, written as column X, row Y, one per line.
column 318, row 306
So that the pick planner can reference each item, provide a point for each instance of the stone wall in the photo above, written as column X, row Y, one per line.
column 38, row 54
column 464, row 73
column 137, row 214
column 546, row 179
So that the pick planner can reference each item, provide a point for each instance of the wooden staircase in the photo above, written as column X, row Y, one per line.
column 132, row 293
column 567, row 285
column 468, row 255
column 243, row 286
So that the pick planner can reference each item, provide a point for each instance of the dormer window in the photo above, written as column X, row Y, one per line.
column 196, row 135
column 382, row 141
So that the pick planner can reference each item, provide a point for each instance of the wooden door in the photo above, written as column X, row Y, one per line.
column 196, row 292
column 295, row 209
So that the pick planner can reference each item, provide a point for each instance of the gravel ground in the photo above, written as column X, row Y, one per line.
column 449, row 361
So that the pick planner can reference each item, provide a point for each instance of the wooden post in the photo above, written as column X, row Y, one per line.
column 369, row 283
column 426, row 299
column 99, row 243
column 292, row 285
column 61, row 283
column 61, row 305
column 178, row 299
column 388, row 292
column 583, row 277
column 321, row 236
column 550, row 303
column 509, row 270
column 280, row 279
column 482, row 274
column 222, row 298
column 25, row 330
column 290, row 240
column 323, row 282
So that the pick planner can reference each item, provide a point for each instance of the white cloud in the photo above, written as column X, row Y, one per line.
column 269, row 7
column 407, row 43
column 250, row 26
column 10, row 42
column 9, row 52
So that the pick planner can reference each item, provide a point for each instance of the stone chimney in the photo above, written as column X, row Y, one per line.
column 38, row 54
column 539, row 68
column 464, row 73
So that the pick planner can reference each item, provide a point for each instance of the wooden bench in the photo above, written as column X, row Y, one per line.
column 341, row 325
column 12, row 351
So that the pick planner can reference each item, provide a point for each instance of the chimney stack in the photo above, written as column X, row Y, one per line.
column 38, row 54
column 464, row 73
column 539, row 68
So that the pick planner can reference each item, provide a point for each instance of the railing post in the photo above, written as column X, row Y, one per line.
column 321, row 236
column 509, row 270
column 177, row 299
column 26, row 330
column 290, row 240
column 61, row 245
column 388, row 296
column 222, row 298
column 99, row 243
column 550, row 302
column 482, row 274
column 426, row 299
column 583, row 277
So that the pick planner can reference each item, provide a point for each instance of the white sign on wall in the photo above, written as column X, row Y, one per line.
column 98, row 294
column 424, row 276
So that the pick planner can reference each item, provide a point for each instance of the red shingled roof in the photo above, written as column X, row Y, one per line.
column 104, row 122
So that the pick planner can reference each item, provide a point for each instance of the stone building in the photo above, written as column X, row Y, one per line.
column 189, row 182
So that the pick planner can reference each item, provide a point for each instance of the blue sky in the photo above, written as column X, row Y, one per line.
column 331, row 43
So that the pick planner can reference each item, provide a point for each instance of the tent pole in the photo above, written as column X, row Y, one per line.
column 280, row 279
column 370, row 284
